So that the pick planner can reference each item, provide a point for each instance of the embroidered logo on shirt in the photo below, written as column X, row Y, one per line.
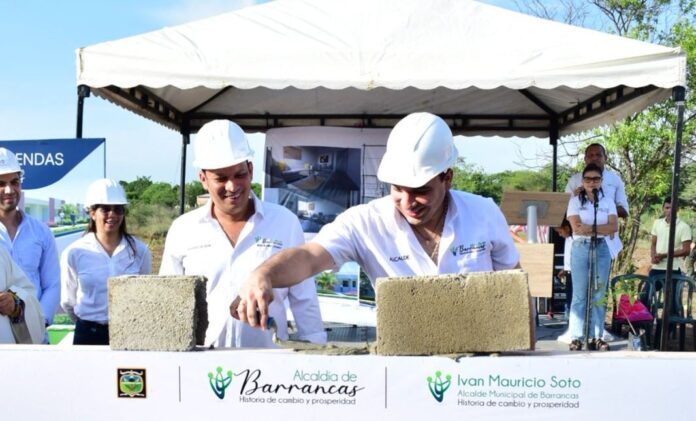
column 471, row 248
column 198, row 246
column 399, row 258
column 268, row 242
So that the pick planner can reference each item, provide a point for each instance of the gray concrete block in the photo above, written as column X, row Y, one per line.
column 449, row 314
column 157, row 313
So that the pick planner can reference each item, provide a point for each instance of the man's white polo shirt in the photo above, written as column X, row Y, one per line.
column 612, row 186
column 197, row 245
column 475, row 238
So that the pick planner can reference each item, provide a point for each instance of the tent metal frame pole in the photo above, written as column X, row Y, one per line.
column 185, row 140
column 82, row 93
column 553, row 140
column 678, row 94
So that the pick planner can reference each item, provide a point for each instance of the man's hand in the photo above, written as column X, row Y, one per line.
column 657, row 258
column 255, row 295
column 7, row 303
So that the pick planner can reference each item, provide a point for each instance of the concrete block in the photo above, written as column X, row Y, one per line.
column 157, row 313
column 449, row 314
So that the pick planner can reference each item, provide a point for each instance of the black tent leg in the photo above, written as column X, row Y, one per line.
column 185, row 139
column 678, row 94
column 82, row 93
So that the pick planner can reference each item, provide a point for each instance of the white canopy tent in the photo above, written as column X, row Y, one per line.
column 368, row 63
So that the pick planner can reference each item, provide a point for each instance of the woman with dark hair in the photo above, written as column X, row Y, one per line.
column 582, row 210
column 105, row 250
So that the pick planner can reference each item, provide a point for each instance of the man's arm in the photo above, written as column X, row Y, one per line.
column 621, row 212
column 654, row 257
column 49, row 275
column 285, row 269
column 685, row 249
column 620, row 199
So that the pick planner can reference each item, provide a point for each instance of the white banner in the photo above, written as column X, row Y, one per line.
column 96, row 383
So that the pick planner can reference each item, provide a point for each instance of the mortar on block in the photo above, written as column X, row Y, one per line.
column 450, row 314
column 157, row 313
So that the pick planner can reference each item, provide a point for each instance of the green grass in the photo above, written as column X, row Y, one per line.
column 62, row 319
column 68, row 228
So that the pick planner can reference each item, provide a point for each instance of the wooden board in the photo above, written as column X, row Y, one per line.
column 552, row 207
column 537, row 261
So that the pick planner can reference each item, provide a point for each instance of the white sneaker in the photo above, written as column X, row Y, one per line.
column 565, row 337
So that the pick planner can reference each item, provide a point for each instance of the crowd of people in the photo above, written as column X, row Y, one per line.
column 254, row 255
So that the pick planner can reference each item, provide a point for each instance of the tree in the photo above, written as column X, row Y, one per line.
column 192, row 191
column 160, row 193
column 256, row 187
column 640, row 148
column 470, row 178
column 325, row 280
column 135, row 189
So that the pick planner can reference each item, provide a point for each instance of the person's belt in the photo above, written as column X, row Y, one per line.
column 89, row 322
column 587, row 239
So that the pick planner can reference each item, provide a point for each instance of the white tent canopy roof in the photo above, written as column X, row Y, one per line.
column 367, row 63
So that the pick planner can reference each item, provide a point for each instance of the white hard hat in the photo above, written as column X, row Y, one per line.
column 8, row 162
column 419, row 147
column 105, row 192
column 220, row 144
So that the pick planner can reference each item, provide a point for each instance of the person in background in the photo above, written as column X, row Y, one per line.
column 422, row 228
column 29, row 241
column 566, row 232
column 612, row 185
column 105, row 250
column 581, row 215
column 233, row 234
column 542, row 234
column 21, row 319
column 659, row 242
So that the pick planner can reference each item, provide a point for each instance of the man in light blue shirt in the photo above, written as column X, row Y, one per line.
column 29, row 241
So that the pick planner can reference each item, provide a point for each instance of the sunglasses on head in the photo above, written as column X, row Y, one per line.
column 117, row 209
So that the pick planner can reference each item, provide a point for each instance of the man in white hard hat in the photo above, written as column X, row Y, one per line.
column 422, row 228
column 233, row 234
column 28, row 240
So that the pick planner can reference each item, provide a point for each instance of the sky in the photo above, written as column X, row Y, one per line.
column 38, row 98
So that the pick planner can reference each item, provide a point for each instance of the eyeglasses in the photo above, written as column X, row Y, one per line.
column 15, row 182
column 593, row 179
column 117, row 209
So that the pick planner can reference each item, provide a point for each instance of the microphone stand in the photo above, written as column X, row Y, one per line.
column 592, row 263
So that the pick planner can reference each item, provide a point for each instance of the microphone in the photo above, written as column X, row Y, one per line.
column 595, row 193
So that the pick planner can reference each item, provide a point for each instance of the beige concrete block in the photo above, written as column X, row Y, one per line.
column 157, row 313
column 475, row 312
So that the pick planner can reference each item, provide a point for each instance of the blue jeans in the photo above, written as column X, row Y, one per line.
column 579, row 260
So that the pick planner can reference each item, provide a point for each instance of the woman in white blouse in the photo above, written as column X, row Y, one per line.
column 106, row 250
column 589, row 213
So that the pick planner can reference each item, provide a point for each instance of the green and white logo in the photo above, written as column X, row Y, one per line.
column 219, row 382
column 438, row 387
